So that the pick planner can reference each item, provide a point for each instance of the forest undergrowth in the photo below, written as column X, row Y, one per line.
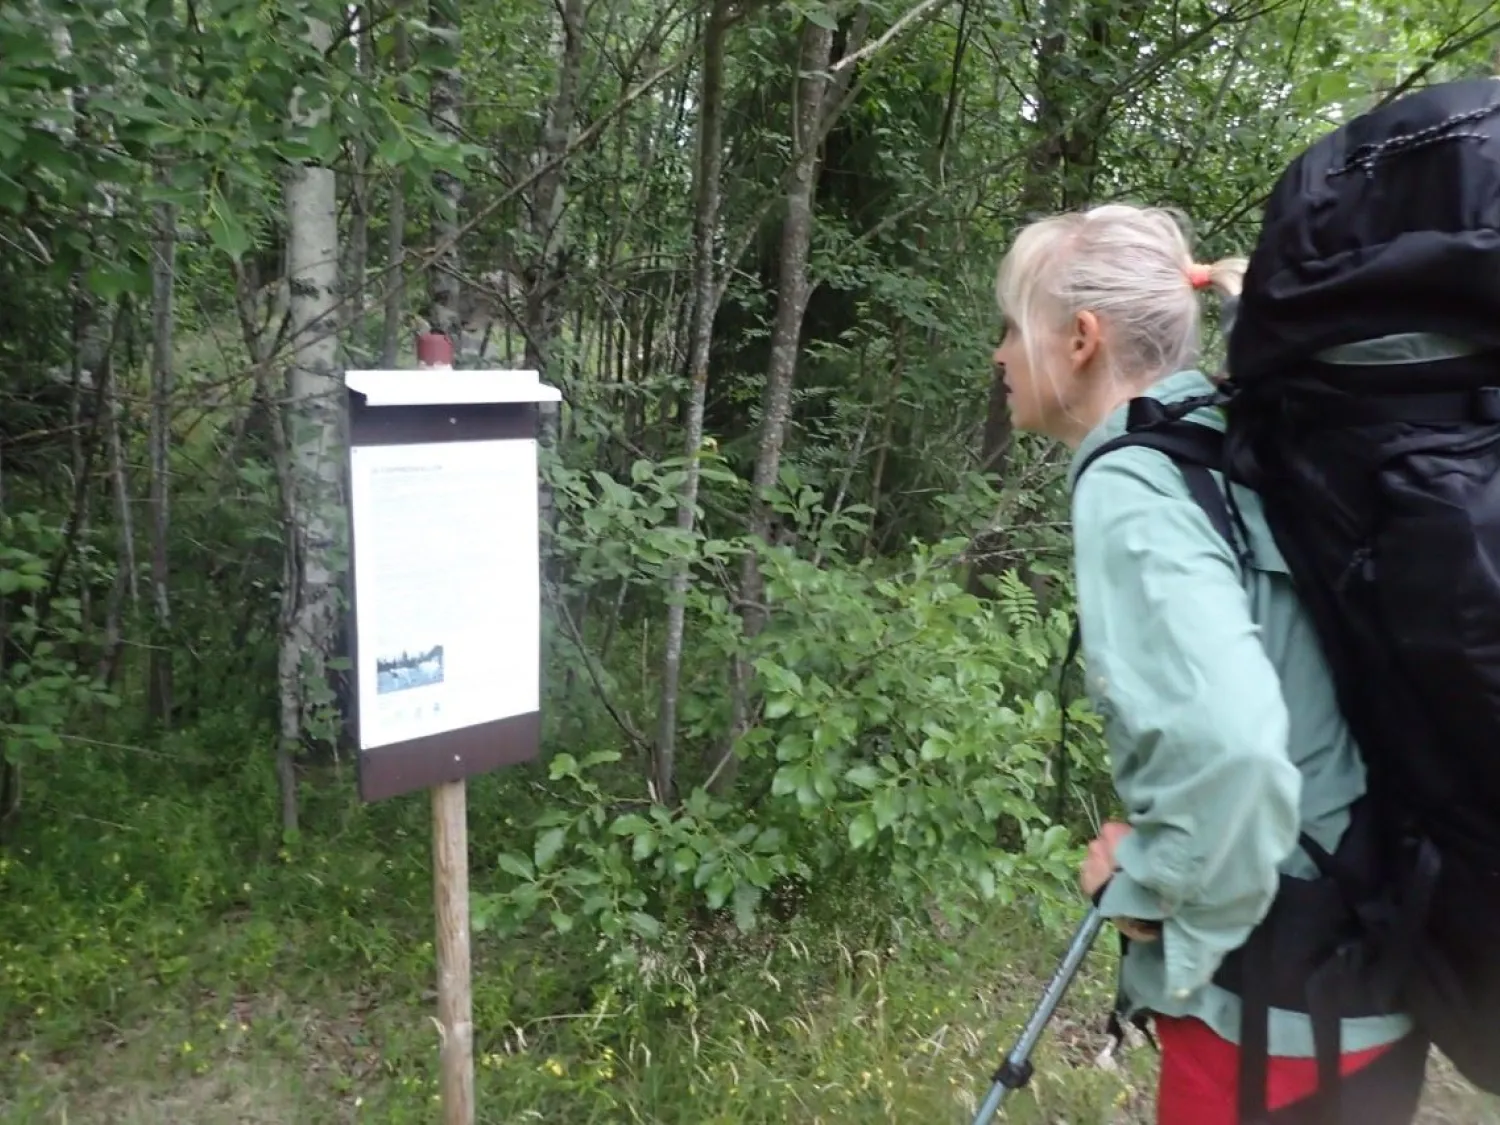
column 164, row 958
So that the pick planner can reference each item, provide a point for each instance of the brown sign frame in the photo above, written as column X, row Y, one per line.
column 435, row 759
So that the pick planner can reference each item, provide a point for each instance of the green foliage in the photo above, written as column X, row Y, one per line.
column 41, row 684
column 906, row 731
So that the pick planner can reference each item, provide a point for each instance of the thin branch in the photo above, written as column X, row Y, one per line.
column 1443, row 52
column 894, row 30
column 576, row 637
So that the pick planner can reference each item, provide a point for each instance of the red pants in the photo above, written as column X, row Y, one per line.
column 1200, row 1075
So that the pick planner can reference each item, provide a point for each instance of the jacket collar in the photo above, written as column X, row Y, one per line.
column 1171, row 388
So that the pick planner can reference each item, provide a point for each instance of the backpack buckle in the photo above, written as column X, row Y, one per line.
column 1145, row 411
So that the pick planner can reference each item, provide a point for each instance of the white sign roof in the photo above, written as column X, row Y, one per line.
column 447, row 386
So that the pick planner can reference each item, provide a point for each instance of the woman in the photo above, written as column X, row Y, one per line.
column 1225, row 738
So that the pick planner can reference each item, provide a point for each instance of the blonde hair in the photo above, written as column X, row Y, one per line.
column 1131, row 266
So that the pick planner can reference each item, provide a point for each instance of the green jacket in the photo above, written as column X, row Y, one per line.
column 1224, row 735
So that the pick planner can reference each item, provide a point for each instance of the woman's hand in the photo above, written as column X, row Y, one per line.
column 1099, row 866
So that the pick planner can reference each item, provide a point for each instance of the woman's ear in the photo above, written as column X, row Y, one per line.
column 1085, row 342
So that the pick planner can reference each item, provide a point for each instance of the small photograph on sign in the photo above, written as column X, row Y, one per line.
column 406, row 670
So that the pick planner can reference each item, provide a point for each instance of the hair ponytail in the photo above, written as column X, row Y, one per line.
column 1227, row 276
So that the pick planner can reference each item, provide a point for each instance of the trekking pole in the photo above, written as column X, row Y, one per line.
column 1016, row 1070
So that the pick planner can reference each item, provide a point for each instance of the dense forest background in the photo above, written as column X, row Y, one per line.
column 800, row 839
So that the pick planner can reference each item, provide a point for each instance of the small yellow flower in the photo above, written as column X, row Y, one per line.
column 554, row 1068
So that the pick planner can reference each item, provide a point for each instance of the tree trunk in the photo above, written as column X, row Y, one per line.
column 792, row 294
column 1059, row 171
column 127, row 577
column 359, row 201
column 543, row 311
column 395, row 246
column 163, row 280
column 549, row 196
column 1039, row 188
column 314, row 433
column 706, row 190
column 447, row 260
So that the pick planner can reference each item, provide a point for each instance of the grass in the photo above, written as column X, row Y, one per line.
column 867, row 1036
column 166, row 957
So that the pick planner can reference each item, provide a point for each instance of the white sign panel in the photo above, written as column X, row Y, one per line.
column 447, row 586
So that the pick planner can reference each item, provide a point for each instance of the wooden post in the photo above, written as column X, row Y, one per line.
column 450, row 888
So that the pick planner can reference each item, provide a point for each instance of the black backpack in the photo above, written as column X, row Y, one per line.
column 1381, row 485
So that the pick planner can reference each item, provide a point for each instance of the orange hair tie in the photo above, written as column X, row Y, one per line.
column 1200, row 277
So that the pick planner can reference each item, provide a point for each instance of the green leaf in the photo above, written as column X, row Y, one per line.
column 645, row 845
column 225, row 230
column 719, row 888
column 769, row 841
column 630, row 824
column 548, row 844
column 563, row 922
column 746, row 899
column 887, row 807
column 787, row 780
column 517, row 865
column 865, row 776
column 779, row 706
column 987, row 883
column 109, row 280
column 861, row 830
column 613, row 490
column 564, row 765
column 644, row 924
column 600, row 757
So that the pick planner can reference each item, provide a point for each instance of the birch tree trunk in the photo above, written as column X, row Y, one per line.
column 312, row 491
column 706, row 189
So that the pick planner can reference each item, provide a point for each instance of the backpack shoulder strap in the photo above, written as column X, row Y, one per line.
column 1193, row 448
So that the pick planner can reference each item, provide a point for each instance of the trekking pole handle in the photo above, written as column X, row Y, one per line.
column 1015, row 1071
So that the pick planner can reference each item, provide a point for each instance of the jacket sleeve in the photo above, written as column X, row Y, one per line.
column 1194, row 716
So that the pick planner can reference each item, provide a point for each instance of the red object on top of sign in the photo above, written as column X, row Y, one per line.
column 434, row 350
